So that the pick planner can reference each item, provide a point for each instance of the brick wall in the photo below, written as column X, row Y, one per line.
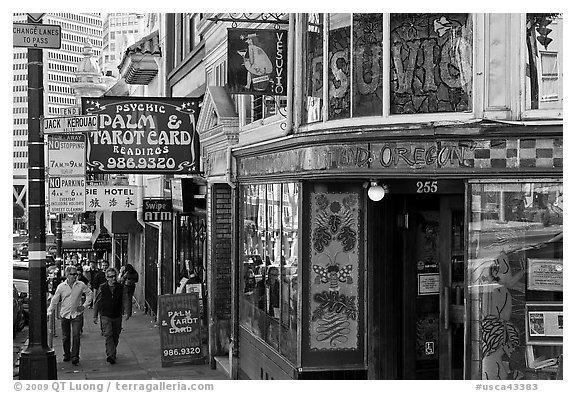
column 220, row 258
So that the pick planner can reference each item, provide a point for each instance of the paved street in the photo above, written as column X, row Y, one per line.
column 138, row 355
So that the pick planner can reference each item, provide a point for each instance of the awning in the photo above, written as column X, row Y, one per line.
column 138, row 66
column 101, row 239
column 121, row 222
column 76, row 245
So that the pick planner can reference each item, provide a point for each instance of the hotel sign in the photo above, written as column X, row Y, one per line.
column 112, row 198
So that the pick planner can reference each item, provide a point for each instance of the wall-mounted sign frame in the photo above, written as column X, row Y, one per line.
column 545, row 275
column 428, row 284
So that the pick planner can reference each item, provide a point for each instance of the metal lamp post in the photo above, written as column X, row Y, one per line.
column 38, row 360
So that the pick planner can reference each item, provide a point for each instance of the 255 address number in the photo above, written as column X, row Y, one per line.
column 427, row 187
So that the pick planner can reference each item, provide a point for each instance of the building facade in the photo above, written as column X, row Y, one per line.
column 408, row 190
column 119, row 31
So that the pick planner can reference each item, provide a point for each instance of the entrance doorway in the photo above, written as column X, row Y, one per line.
column 417, row 245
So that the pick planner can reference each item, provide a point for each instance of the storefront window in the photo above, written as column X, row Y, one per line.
column 430, row 63
column 268, row 293
column 515, row 280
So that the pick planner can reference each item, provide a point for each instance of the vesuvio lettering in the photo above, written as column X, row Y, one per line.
column 279, row 63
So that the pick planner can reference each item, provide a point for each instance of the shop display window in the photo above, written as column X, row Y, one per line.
column 515, row 280
column 269, row 264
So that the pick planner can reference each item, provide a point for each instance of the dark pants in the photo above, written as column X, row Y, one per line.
column 112, row 328
column 71, row 327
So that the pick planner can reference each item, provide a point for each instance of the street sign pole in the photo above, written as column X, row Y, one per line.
column 38, row 360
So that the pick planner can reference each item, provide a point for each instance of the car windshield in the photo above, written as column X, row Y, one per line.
column 21, row 273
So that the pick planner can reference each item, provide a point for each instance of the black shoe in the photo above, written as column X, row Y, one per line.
column 110, row 360
column 66, row 358
column 75, row 361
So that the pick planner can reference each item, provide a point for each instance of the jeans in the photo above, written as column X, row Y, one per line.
column 112, row 328
column 71, row 325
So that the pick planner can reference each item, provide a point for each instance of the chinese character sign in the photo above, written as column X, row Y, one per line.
column 112, row 198
column 258, row 61
column 143, row 135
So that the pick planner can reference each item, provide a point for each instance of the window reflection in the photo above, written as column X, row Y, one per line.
column 269, row 296
column 515, row 260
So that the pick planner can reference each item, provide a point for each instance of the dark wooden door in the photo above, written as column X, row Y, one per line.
column 418, row 280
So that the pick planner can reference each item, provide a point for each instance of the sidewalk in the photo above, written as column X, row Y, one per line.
column 138, row 355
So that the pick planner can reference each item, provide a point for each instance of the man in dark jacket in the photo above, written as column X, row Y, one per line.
column 111, row 303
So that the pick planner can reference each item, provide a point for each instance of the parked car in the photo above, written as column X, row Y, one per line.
column 18, row 319
column 20, row 278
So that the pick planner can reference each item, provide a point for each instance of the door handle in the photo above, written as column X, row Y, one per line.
column 446, row 303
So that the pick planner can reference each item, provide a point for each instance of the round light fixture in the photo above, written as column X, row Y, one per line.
column 376, row 192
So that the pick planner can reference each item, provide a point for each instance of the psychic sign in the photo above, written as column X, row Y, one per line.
column 143, row 135
column 180, row 327
column 258, row 61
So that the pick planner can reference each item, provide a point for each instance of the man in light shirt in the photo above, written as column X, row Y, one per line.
column 70, row 293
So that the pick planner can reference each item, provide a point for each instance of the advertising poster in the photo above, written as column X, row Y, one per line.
column 544, row 323
column 143, row 135
column 258, row 61
column 180, row 327
column 545, row 274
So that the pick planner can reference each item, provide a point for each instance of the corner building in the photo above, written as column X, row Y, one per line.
column 408, row 187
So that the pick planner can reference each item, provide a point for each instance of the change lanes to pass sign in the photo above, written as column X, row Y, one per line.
column 66, row 155
column 180, row 327
column 31, row 35
column 58, row 125
column 112, row 198
column 66, row 194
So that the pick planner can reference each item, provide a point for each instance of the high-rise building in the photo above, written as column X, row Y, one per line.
column 59, row 66
column 120, row 30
